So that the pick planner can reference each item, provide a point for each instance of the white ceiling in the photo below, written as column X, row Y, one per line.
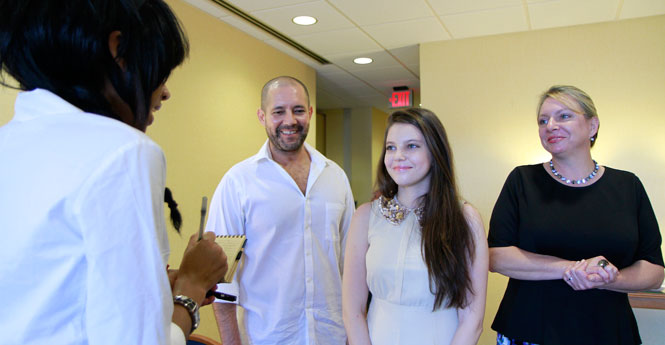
column 389, row 31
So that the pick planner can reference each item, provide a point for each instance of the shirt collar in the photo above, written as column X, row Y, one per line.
column 40, row 102
column 318, row 160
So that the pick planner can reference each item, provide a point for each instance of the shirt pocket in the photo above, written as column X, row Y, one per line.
column 334, row 213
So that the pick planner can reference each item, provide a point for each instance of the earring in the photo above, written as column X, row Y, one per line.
column 592, row 139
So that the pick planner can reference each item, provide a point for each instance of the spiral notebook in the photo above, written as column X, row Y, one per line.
column 233, row 246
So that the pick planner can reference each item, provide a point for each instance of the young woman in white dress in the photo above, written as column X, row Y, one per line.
column 418, row 248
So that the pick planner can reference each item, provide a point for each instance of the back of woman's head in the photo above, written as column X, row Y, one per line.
column 63, row 46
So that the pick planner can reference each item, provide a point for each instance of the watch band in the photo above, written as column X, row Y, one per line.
column 191, row 307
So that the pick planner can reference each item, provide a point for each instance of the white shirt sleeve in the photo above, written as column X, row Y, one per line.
column 346, row 222
column 226, row 218
column 177, row 335
column 120, row 211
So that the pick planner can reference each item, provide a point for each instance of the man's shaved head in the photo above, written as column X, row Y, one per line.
column 277, row 82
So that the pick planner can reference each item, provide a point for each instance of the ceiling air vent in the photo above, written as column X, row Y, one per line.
column 240, row 13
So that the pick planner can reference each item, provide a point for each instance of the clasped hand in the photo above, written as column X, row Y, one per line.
column 587, row 274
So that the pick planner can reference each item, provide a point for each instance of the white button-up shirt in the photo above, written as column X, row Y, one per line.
column 84, row 247
column 290, row 283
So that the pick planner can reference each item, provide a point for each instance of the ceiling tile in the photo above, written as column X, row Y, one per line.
column 255, row 5
column 415, row 69
column 375, row 98
column 400, row 34
column 342, row 89
column 369, row 12
column 387, row 74
column 343, row 81
column 327, row 100
column 390, row 32
column 641, row 8
column 338, row 96
column 281, row 18
column 381, row 60
column 409, row 55
column 558, row 13
column 327, row 84
column 293, row 52
column 334, row 100
column 337, row 42
column 324, row 82
column 247, row 28
column 328, row 69
column 361, row 90
column 488, row 22
column 444, row 7
column 210, row 7
column 411, row 83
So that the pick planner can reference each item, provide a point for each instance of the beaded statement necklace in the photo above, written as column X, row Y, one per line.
column 395, row 212
column 581, row 181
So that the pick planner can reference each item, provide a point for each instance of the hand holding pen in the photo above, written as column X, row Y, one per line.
column 203, row 265
column 212, row 292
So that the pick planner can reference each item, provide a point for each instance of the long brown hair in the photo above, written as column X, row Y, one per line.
column 447, row 243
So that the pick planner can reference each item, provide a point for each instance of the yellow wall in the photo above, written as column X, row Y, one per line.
column 485, row 91
column 354, row 140
column 334, row 134
column 361, row 154
column 210, row 122
column 7, row 97
column 320, row 132
column 379, row 119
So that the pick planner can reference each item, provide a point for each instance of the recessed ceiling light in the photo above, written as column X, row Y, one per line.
column 362, row 60
column 304, row 20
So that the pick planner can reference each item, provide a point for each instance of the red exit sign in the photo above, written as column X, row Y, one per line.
column 401, row 99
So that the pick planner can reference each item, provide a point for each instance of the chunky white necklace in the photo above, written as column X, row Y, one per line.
column 395, row 212
column 581, row 181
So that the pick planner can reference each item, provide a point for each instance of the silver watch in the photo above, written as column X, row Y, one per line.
column 191, row 307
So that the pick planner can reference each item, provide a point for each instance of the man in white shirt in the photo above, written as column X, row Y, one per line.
column 295, row 206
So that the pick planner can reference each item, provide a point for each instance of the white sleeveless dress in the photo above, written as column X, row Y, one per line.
column 401, row 308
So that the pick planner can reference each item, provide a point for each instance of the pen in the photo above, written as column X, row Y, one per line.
column 221, row 295
column 204, row 209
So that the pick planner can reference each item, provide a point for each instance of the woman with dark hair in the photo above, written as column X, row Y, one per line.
column 84, row 251
column 573, row 237
column 418, row 249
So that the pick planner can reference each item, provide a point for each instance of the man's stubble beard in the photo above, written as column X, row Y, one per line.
column 279, row 144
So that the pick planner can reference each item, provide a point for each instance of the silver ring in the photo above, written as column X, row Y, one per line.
column 602, row 263
column 570, row 278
